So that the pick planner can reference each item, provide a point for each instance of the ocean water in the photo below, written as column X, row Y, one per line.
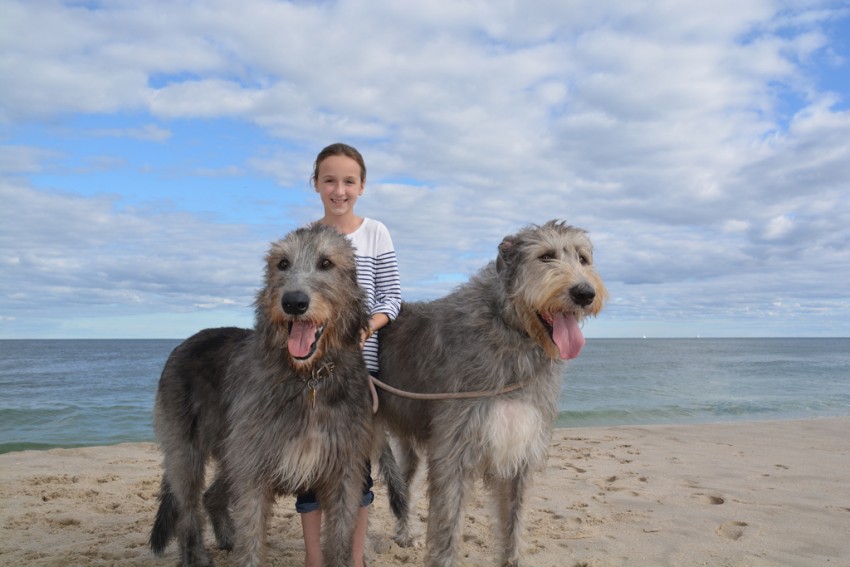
column 67, row 393
column 662, row 381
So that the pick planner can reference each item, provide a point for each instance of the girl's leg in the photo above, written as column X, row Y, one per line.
column 311, row 526
column 307, row 505
column 359, row 547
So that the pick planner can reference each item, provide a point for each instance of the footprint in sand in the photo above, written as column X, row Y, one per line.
column 731, row 530
column 712, row 499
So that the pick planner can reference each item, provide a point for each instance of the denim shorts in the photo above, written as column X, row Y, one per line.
column 307, row 501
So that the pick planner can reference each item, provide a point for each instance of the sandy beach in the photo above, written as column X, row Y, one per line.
column 763, row 493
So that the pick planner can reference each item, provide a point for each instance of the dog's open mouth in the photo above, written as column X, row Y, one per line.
column 564, row 331
column 303, row 338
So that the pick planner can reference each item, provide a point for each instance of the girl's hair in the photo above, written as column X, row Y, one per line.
column 339, row 149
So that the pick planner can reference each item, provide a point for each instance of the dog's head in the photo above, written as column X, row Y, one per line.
column 549, row 276
column 311, row 303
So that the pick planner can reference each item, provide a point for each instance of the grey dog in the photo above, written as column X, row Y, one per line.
column 283, row 407
column 512, row 325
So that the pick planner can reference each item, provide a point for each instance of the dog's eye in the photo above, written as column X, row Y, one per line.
column 325, row 264
column 584, row 259
column 283, row 265
column 547, row 257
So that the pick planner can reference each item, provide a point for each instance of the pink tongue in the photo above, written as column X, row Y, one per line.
column 567, row 335
column 301, row 338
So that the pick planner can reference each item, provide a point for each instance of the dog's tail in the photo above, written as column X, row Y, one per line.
column 165, row 523
column 396, row 484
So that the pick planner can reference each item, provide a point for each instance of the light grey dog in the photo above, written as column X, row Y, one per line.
column 284, row 407
column 513, row 324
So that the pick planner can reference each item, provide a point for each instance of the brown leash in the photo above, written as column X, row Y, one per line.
column 446, row 395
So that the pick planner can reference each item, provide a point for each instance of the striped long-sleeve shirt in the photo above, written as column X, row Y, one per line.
column 377, row 274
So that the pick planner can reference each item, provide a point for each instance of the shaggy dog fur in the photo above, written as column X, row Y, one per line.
column 516, row 321
column 283, row 408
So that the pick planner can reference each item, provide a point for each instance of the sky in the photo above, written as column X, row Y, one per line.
column 150, row 152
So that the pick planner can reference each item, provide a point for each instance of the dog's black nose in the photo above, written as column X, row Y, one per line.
column 583, row 294
column 295, row 302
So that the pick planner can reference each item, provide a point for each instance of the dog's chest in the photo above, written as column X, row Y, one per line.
column 301, row 458
column 515, row 437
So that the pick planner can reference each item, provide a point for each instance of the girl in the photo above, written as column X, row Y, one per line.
column 339, row 177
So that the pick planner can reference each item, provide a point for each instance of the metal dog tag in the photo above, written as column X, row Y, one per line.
column 311, row 384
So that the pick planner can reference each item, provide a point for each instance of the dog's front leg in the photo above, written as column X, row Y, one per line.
column 449, row 485
column 340, row 507
column 251, row 506
column 510, row 496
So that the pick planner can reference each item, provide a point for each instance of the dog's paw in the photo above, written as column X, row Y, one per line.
column 224, row 539
column 196, row 557
column 224, row 535
column 404, row 538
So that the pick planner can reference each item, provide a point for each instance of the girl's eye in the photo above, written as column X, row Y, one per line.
column 283, row 265
column 326, row 264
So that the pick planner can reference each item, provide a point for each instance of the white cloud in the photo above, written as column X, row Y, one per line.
column 778, row 227
column 148, row 133
column 85, row 256
column 23, row 160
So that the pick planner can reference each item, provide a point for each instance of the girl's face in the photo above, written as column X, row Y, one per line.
column 338, row 184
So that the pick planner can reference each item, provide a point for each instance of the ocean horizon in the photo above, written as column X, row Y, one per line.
column 84, row 392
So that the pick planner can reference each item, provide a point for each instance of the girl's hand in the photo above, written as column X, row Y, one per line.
column 377, row 321
column 365, row 334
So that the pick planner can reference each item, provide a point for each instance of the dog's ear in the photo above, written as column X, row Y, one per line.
column 505, row 249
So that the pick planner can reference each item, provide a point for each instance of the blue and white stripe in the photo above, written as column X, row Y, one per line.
column 377, row 274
